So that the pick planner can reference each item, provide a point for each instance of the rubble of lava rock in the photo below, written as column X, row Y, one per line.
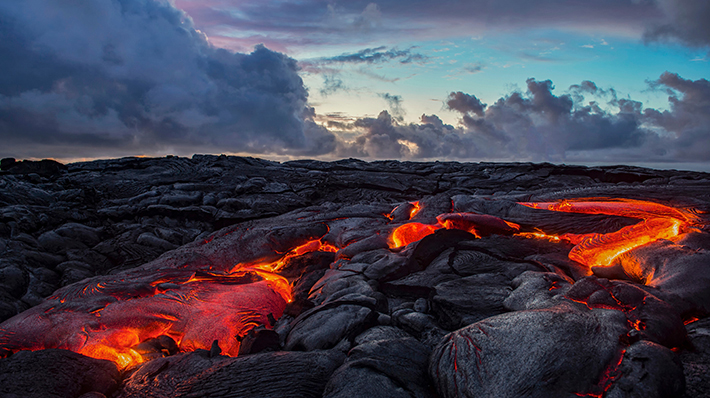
column 217, row 276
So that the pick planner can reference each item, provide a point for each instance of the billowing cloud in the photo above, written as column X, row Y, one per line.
column 688, row 120
column 123, row 77
column 465, row 103
column 537, row 125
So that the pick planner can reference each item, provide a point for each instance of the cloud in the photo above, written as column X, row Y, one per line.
column 332, row 68
column 687, row 120
column 468, row 69
column 385, row 138
column 465, row 103
column 686, row 21
column 473, row 68
column 123, row 77
column 332, row 83
column 538, row 125
column 357, row 22
column 376, row 55
column 302, row 24
column 395, row 104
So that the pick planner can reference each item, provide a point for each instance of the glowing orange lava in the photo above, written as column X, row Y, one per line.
column 269, row 270
column 617, row 207
column 478, row 224
column 601, row 250
column 539, row 235
column 411, row 232
column 414, row 210
column 107, row 317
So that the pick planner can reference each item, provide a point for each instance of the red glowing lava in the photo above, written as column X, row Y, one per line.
column 107, row 317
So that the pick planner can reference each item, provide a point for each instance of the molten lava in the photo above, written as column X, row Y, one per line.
column 616, row 207
column 107, row 317
column 601, row 250
column 414, row 210
column 411, row 232
column 479, row 225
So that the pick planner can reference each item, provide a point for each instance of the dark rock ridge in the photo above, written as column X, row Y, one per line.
column 451, row 315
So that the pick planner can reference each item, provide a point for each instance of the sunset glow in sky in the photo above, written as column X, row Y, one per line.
column 609, row 81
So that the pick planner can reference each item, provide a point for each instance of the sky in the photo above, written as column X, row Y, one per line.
column 561, row 81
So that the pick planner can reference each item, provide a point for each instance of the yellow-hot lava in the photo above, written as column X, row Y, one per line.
column 414, row 210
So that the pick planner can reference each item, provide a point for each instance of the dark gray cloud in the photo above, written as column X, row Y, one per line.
column 537, row 125
column 687, row 122
column 109, row 78
column 376, row 56
column 687, row 21
column 284, row 25
column 309, row 22
column 465, row 103
column 385, row 138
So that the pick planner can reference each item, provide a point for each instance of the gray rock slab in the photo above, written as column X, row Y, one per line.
column 386, row 362
column 555, row 352
column 55, row 374
column 323, row 327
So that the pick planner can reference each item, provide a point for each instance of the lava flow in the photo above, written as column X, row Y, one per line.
column 600, row 250
column 109, row 317
column 479, row 225
column 593, row 250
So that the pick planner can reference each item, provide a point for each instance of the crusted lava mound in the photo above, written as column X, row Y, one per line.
column 228, row 277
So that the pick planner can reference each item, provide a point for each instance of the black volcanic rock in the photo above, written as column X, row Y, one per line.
column 272, row 374
column 44, row 167
column 55, row 373
column 385, row 362
column 373, row 320
column 696, row 359
column 648, row 370
column 7, row 163
column 324, row 326
column 555, row 352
